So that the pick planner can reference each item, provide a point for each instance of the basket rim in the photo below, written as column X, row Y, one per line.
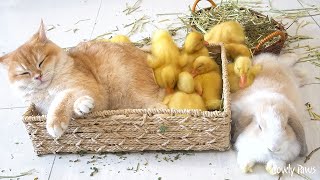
column 29, row 114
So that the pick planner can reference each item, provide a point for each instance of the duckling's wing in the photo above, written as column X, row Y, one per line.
column 197, row 86
column 167, row 99
column 256, row 69
column 183, row 59
column 153, row 62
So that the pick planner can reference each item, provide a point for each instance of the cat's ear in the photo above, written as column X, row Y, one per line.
column 4, row 59
column 41, row 34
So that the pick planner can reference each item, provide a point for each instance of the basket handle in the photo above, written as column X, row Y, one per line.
column 197, row 1
column 269, row 37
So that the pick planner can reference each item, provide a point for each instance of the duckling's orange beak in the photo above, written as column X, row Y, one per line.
column 243, row 81
column 169, row 90
column 206, row 43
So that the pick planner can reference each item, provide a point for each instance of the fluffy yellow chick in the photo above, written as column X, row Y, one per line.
column 164, row 59
column 234, row 79
column 117, row 39
column 234, row 50
column 242, row 66
column 185, row 97
column 194, row 47
column 120, row 39
column 163, row 49
column 226, row 32
column 208, row 82
column 167, row 77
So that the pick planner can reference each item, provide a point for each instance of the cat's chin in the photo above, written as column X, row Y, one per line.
column 43, row 84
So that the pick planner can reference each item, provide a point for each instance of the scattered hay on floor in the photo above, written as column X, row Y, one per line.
column 310, row 154
column 312, row 114
column 30, row 172
column 130, row 9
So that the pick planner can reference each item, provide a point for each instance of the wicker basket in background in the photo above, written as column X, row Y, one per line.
column 139, row 129
column 279, row 31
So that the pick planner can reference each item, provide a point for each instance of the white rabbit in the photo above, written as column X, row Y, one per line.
column 265, row 117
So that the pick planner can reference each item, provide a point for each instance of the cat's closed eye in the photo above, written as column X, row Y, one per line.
column 24, row 73
column 42, row 61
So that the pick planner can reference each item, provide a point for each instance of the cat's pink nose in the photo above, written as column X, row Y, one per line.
column 38, row 77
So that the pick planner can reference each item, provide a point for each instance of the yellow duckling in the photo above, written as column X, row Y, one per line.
column 117, row 39
column 235, row 81
column 167, row 77
column 231, row 33
column 208, row 82
column 194, row 47
column 163, row 49
column 242, row 66
column 234, row 50
column 120, row 39
column 185, row 97
column 164, row 59
column 233, row 78
column 226, row 32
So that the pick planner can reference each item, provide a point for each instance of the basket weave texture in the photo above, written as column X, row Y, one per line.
column 138, row 129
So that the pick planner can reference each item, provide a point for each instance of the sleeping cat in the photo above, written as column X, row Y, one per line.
column 92, row 76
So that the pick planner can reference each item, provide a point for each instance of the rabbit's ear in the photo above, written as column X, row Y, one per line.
column 297, row 127
column 239, row 123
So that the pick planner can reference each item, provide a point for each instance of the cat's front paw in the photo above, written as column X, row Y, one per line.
column 275, row 167
column 83, row 105
column 56, row 125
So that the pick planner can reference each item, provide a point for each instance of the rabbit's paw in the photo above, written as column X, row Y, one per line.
column 275, row 167
column 83, row 105
column 57, row 125
column 247, row 167
column 245, row 163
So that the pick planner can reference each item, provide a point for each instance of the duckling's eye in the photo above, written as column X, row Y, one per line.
column 260, row 128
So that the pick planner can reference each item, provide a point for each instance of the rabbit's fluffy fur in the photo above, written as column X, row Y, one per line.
column 265, row 119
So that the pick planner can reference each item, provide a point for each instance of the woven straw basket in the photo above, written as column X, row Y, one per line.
column 279, row 31
column 139, row 129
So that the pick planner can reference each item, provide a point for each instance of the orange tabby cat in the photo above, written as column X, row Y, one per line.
column 91, row 76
